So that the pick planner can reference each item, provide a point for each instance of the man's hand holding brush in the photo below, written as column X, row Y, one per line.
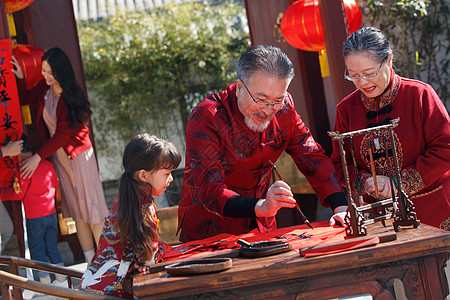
column 302, row 215
column 279, row 195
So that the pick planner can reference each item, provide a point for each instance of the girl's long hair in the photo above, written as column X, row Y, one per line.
column 143, row 152
column 79, row 108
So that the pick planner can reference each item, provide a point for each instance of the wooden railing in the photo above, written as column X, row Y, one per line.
column 12, row 278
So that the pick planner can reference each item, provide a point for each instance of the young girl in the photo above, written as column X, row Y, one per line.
column 130, row 237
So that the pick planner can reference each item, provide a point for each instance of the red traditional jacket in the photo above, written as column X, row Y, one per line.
column 422, row 141
column 73, row 140
column 225, row 158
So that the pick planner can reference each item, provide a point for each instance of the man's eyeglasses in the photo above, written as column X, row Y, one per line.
column 364, row 76
column 264, row 103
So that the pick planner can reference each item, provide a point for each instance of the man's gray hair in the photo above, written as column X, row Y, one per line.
column 267, row 60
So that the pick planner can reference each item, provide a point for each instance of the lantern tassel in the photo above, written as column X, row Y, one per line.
column 277, row 34
column 323, row 61
column 26, row 115
column 11, row 25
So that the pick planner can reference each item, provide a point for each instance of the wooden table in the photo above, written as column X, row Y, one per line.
column 416, row 260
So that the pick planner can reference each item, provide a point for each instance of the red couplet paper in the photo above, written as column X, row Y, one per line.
column 339, row 246
column 298, row 237
column 10, row 116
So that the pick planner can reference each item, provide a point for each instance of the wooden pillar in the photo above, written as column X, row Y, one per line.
column 4, row 30
column 335, row 30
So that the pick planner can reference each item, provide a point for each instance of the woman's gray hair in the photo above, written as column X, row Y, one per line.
column 368, row 39
column 267, row 60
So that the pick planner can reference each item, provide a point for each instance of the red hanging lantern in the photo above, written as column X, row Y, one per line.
column 29, row 59
column 301, row 24
column 16, row 5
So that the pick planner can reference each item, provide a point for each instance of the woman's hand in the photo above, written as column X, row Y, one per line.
column 384, row 187
column 28, row 166
column 339, row 216
column 13, row 148
column 279, row 195
column 17, row 69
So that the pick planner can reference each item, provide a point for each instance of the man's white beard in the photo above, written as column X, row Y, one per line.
column 257, row 127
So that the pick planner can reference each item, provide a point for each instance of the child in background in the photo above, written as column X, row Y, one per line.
column 6, row 225
column 38, row 197
column 130, row 233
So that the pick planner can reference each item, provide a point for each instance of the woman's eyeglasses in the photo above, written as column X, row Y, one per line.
column 264, row 103
column 363, row 76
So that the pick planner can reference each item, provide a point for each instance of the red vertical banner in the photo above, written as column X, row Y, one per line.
column 11, row 127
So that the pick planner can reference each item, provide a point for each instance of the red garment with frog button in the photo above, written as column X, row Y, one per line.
column 422, row 140
column 225, row 158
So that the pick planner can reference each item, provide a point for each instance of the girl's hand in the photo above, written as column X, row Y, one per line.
column 384, row 187
column 28, row 167
column 17, row 69
column 141, row 268
column 13, row 148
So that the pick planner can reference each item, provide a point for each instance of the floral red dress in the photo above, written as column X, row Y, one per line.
column 109, row 272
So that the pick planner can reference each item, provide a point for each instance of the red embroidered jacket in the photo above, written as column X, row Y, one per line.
column 422, row 140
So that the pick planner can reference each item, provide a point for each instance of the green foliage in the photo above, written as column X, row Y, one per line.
column 419, row 32
column 146, row 69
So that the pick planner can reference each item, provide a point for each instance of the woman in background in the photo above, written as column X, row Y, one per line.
column 63, row 113
column 422, row 137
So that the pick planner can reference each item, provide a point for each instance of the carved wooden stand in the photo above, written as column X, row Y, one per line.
column 399, row 207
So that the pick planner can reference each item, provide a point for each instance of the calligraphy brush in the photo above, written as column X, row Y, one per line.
column 302, row 215
column 374, row 175
column 388, row 163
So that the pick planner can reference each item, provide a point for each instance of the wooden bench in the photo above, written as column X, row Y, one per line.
column 12, row 278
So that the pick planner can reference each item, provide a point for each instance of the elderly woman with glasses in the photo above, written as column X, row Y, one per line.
column 422, row 137
column 231, row 139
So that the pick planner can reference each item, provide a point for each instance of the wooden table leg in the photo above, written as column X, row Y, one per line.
column 433, row 285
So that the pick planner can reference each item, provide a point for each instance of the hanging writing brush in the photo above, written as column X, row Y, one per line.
column 372, row 167
column 355, row 167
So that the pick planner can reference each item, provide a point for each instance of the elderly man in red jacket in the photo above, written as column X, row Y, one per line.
column 231, row 138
